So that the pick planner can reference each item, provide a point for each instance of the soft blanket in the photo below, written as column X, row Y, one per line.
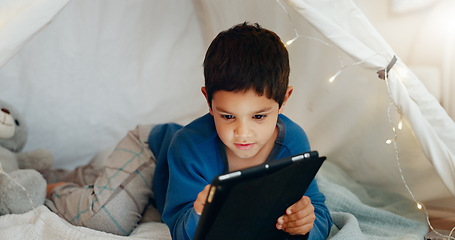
column 362, row 212
column 358, row 212
column 41, row 223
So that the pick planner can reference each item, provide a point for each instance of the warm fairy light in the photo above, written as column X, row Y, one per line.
column 419, row 206
column 290, row 22
column 400, row 72
column 291, row 41
column 335, row 76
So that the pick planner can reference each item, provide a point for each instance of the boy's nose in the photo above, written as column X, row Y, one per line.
column 242, row 130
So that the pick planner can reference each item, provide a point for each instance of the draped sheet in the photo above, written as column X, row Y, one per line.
column 433, row 128
column 20, row 20
column 84, row 72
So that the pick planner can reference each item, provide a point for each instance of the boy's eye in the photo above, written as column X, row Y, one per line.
column 227, row 116
column 259, row 116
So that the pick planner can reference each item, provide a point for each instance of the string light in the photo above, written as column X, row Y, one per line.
column 297, row 35
column 419, row 205
column 399, row 125
column 27, row 194
column 291, row 41
column 29, row 198
column 340, row 70
column 290, row 22
column 336, row 75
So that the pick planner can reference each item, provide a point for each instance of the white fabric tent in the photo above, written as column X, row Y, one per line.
column 429, row 122
column 84, row 72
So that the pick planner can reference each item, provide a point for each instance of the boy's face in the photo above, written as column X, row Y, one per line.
column 246, row 124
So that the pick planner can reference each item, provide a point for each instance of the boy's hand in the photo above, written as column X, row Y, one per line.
column 200, row 200
column 299, row 218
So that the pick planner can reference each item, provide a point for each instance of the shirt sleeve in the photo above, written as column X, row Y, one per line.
column 323, row 221
column 190, row 170
column 296, row 141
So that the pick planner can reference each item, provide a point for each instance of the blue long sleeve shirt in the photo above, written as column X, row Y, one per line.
column 189, row 157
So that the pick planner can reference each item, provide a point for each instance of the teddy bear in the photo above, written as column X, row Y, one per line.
column 22, row 186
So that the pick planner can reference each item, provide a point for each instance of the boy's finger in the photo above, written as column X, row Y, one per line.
column 200, row 200
column 300, row 221
column 302, row 230
column 293, row 215
column 299, row 205
column 280, row 223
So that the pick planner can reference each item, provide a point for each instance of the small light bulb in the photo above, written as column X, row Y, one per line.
column 389, row 141
column 400, row 125
column 335, row 76
column 291, row 41
column 419, row 206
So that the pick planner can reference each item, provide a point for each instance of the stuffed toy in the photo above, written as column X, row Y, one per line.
column 22, row 187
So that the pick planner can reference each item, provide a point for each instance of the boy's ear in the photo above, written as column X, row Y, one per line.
column 286, row 98
column 204, row 92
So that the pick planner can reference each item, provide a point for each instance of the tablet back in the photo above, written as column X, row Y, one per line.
column 246, row 204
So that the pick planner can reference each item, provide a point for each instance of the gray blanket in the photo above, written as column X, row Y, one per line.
column 362, row 212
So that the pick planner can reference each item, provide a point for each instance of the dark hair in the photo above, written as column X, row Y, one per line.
column 247, row 57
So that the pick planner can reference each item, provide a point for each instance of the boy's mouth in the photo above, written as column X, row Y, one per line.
column 242, row 146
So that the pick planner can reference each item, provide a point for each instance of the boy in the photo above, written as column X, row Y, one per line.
column 246, row 70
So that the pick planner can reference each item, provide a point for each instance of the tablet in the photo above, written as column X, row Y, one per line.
column 246, row 204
